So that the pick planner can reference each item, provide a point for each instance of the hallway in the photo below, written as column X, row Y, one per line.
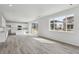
column 34, row 45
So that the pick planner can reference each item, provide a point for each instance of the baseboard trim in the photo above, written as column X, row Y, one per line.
column 59, row 41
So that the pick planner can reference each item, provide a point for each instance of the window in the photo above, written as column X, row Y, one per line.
column 63, row 23
column 52, row 25
column 19, row 27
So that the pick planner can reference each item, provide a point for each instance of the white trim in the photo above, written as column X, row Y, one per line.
column 60, row 30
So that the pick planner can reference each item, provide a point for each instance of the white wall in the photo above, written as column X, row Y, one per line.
column 0, row 21
column 67, row 37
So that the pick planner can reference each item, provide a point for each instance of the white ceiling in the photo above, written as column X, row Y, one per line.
column 28, row 12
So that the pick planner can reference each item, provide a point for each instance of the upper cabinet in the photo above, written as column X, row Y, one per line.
column 2, row 22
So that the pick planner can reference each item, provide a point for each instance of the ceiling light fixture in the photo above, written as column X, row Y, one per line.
column 10, row 5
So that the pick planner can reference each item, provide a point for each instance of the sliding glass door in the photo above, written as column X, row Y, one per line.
column 34, row 28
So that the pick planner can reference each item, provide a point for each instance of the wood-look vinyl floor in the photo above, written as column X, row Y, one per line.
column 35, row 45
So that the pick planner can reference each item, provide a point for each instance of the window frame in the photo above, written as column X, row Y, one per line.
column 34, row 27
column 66, row 30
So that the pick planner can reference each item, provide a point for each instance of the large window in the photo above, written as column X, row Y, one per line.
column 63, row 23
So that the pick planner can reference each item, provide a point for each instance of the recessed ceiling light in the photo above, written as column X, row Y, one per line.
column 10, row 5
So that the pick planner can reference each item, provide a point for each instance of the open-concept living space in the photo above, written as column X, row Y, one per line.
column 39, row 29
